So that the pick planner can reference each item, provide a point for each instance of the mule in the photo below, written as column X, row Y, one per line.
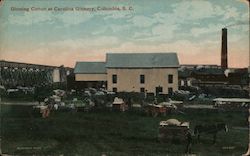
column 212, row 129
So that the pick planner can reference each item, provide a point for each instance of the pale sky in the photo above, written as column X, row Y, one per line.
column 191, row 28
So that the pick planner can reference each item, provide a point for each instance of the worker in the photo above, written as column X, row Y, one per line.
column 56, row 106
column 45, row 111
column 189, row 142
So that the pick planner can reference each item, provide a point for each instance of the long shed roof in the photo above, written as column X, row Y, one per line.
column 232, row 99
column 141, row 60
column 90, row 68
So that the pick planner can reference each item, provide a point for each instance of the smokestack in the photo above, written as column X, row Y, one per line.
column 224, row 49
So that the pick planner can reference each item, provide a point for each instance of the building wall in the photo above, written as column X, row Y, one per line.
column 249, row 88
column 90, row 77
column 56, row 75
column 129, row 79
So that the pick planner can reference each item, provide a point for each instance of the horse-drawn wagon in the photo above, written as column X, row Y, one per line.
column 173, row 130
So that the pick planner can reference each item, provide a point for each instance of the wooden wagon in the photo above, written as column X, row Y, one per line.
column 173, row 130
column 155, row 110
column 169, row 107
column 119, row 105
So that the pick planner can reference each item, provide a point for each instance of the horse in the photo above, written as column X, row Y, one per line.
column 210, row 129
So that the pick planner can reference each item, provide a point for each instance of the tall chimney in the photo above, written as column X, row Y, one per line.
column 224, row 49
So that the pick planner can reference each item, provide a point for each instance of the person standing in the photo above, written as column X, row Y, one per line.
column 189, row 142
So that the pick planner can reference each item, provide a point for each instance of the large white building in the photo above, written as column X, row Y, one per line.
column 131, row 72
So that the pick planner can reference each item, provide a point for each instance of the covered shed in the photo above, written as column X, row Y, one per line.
column 232, row 103
column 90, row 74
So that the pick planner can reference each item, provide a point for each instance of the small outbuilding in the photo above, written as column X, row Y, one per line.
column 90, row 74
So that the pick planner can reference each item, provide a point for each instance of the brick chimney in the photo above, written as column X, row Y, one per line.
column 224, row 49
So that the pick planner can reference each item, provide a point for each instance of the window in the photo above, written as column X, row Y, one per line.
column 142, row 90
column 142, row 78
column 170, row 91
column 114, row 78
column 170, row 78
column 114, row 89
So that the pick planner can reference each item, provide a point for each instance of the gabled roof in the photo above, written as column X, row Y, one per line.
column 90, row 68
column 141, row 60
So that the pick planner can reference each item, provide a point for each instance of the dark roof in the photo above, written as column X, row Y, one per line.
column 4, row 63
column 142, row 60
column 184, row 73
column 209, row 71
column 90, row 68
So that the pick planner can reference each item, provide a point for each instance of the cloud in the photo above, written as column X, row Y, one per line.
column 193, row 10
column 166, row 31
column 245, row 16
column 89, row 43
column 73, row 18
column 67, row 18
column 100, row 31
column 157, row 33
column 181, row 46
column 211, row 28
column 29, row 18
column 206, row 52
column 142, row 21
column 167, row 18
column 183, row 13
column 142, row 34
column 231, row 12
column 119, row 15
column 119, row 27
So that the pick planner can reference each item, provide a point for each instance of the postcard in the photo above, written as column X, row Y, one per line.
column 124, row 77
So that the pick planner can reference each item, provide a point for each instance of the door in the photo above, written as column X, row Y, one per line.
column 158, row 90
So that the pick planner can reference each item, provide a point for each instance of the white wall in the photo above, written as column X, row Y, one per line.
column 129, row 79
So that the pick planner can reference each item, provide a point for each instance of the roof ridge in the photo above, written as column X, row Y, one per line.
column 135, row 60
column 142, row 53
column 90, row 62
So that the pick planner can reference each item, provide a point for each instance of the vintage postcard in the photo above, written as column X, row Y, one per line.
column 124, row 77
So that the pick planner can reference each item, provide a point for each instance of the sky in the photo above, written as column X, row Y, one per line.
column 191, row 28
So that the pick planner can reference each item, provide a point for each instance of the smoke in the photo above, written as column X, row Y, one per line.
column 237, row 23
